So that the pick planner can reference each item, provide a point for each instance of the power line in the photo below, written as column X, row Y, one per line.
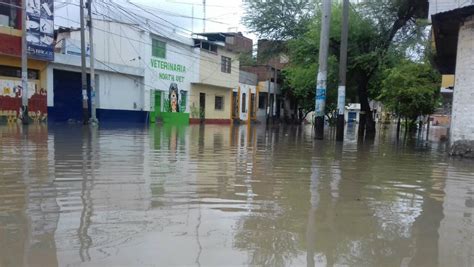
column 196, row 4
column 148, row 12
column 123, row 12
column 217, row 64
column 127, row 75
column 180, row 15
column 116, row 6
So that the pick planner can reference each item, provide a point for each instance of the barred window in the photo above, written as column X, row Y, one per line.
column 226, row 64
column 219, row 103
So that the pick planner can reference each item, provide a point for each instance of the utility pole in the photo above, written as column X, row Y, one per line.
column 341, row 92
column 269, row 69
column 92, row 65
column 321, row 85
column 275, row 78
column 192, row 19
column 24, row 66
column 204, row 16
column 85, row 108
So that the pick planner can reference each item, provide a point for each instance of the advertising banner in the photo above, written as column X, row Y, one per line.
column 40, row 29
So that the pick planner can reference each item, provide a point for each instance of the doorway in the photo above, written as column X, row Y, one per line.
column 202, row 106
column 235, row 105
column 68, row 96
column 252, row 107
column 157, row 108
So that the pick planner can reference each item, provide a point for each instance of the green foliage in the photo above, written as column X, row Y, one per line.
column 278, row 19
column 303, row 51
column 411, row 89
column 247, row 59
column 382, row 34
column 194, row 112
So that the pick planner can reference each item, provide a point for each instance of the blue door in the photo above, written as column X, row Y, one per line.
column 67, row 97
column 352, row 116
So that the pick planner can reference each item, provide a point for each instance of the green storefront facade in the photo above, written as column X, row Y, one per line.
column 163, row 111
column 170, row 74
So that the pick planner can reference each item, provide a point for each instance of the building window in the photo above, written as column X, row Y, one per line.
column 244, row 103
column 9, row 71
column 219, row 103
column 262, row 100
column 9, row 14
column 204, row 45
column 158, row 49
column 225, row 64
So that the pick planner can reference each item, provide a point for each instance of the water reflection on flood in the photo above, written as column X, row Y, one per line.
column 219, row 195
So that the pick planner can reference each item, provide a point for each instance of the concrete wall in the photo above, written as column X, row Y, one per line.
column 120, row 52
column 462, row 127
column 262, row 71
column 116, row 91
column 248, row 78
column 210, row 69
column 10, row 100
column 159, row 78
column 116, row 43
column 211, row 92
column 121, row 44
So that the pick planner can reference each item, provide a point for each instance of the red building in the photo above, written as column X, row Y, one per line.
column 10, row 69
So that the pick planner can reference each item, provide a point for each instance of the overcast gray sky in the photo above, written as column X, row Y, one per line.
column 221, row 15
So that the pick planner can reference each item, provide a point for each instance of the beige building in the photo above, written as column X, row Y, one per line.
column 211, row 98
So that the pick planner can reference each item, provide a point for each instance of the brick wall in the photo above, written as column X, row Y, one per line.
column 266, row 49
column 241, row 44
column 462, row 126
column 262, row 72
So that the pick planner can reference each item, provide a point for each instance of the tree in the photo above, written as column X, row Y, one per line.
column 396, row 23
column 411, row 90
column 303, row 51
column 378, row 30
column 278, row 19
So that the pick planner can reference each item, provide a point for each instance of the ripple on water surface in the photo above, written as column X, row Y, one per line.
column 230, row 195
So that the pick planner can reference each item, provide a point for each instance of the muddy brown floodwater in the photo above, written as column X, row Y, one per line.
column 226, row 196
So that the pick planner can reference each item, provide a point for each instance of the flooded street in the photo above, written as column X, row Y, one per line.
column 226, row 196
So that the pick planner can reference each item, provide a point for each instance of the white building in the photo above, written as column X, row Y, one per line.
column 119, row 84
column 247, row 94
column 453, row 29
column 139, row 62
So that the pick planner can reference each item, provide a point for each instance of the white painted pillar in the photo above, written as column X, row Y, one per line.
column 462, row 125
